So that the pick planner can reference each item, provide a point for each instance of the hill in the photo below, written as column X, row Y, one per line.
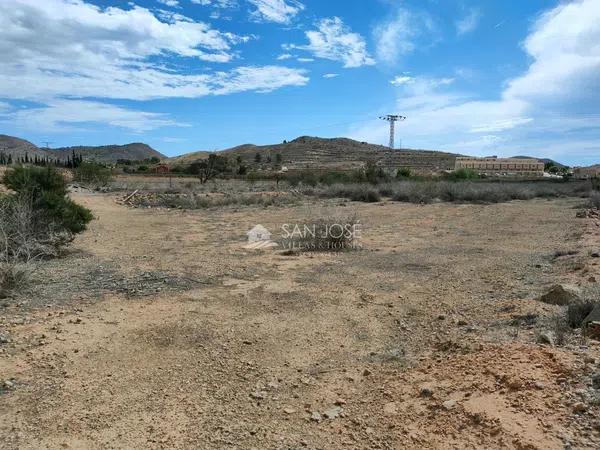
column 111, row 153
column 333, row 154
column 544, row 160
column 188, row 158
column 18, row 148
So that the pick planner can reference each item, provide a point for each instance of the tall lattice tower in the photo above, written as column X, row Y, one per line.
column 392, row 119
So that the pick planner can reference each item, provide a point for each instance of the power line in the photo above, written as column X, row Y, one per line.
column 392, row 119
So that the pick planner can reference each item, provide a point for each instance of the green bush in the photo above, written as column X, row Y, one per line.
column 33, row 181
column 90, row 172
column 46, row 190
column 403, row 172
column 463, row 174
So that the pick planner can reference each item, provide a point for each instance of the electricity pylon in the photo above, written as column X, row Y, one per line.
column 392, row 119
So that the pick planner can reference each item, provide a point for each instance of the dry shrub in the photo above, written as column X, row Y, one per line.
column 578, row 311
column 25, row 235
column 594, row 199
column 416, row 191
column 23, row 239
column 357, row 192
column 560, row 328
column 194, row 200
column 12, row 276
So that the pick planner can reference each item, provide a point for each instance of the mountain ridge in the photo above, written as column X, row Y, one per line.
column 18, row 148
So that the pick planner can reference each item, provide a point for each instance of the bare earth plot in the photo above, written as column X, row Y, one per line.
column 170, row 335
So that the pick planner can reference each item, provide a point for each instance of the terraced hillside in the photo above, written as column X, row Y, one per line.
column 340, row 154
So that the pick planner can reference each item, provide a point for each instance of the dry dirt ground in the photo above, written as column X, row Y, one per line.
column 159, row 330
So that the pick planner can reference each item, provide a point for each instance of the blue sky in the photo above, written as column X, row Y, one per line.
column 474, row 77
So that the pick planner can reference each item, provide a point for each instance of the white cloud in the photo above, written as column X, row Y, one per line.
column 61, row 115
column 468, row 23
column 217, row 3
column 335, row 41
column 78, row 33
column 402, row 79
column 145, row 84
column 331, row 75
column 565, row 48
column 259, row 79
column 171, row 3
column 397, row 36
column 278, row 11
column 551, row 110
column 60, row 49
column 305, row 60
column 500, row 125
column 284, row 56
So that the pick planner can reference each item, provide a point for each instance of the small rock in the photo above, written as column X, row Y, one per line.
column 390, row 409
column 315, row 416
column 579, row 407
column 515, row 384
column 366, row 373
column 595, row 255
column 547, row 337
column 596, row 380
column 257, row 395
column 539, row 385
column 560, row 295
column 426, row 392
column 8, row 384
column 289, row 410
column 332, row 413
column 462, row 323
column 449, row 404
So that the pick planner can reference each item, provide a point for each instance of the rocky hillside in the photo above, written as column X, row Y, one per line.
column 111, row 153
column 335, row 154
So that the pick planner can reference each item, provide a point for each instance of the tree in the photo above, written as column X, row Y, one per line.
column 257, row 158
column 91, row 172
column 278, row 158
column 371, row 172
column 210, row 167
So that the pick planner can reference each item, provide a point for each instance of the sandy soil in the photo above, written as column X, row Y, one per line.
column 426, row 338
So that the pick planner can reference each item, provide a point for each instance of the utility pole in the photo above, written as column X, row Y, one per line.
column 392, row 119
column 47, row 144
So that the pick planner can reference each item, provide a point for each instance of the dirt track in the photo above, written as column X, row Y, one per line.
column 259, row 348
